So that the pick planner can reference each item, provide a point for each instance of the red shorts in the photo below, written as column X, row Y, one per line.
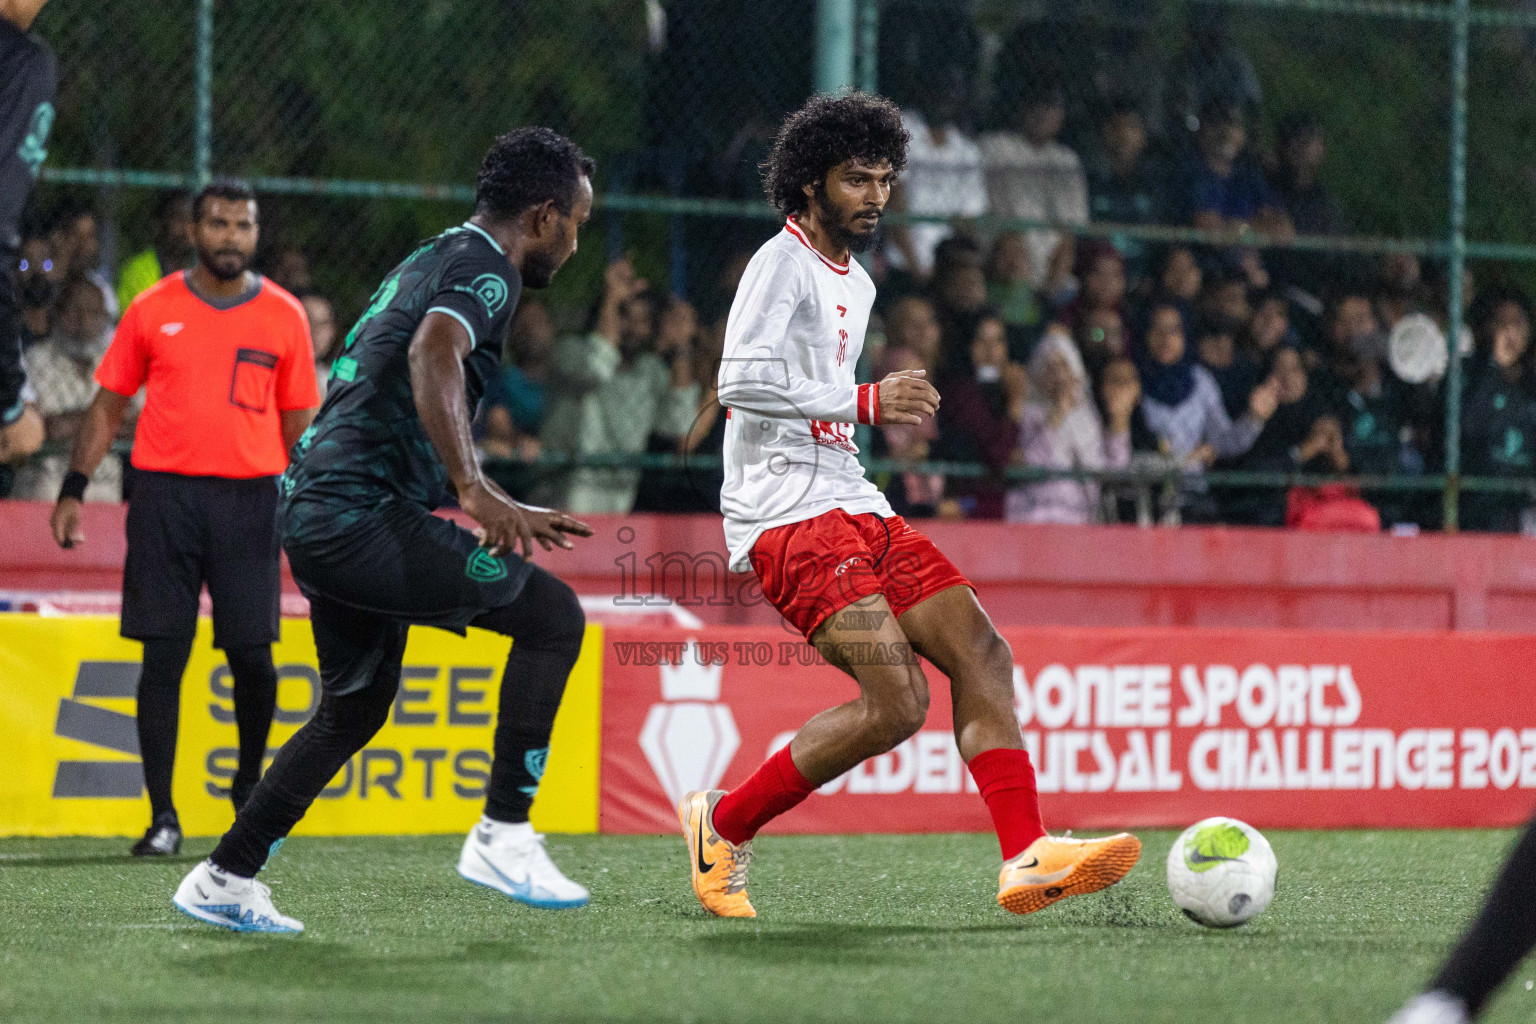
column 816, row 567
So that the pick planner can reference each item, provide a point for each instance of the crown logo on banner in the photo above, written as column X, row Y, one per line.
column 688, row 680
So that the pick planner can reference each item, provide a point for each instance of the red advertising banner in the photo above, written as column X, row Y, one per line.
column 1126, row 727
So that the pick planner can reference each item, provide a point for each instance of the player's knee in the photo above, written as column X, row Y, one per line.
column 567, row 620
column 995, row 655
column 890, row 722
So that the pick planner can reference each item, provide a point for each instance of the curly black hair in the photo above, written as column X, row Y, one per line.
column 529, row 166
column 824, row 133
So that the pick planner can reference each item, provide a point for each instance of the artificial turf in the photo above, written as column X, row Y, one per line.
column 880, row 928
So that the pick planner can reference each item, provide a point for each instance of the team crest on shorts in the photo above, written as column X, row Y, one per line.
column 492, row 291
column 484, row 567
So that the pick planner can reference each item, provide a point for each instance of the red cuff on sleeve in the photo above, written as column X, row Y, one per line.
column 869, row 403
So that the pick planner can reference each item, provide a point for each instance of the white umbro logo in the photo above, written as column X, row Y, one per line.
column 171, row 329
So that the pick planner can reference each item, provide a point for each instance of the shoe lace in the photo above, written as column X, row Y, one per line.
column 736, row 878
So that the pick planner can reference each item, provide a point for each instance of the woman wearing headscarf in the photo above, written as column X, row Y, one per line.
column 979, row 421
column 1060, row 429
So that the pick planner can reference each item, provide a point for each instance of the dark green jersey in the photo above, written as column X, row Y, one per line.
column 367, row 443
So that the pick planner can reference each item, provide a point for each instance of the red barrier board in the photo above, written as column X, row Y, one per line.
column 1126, row 727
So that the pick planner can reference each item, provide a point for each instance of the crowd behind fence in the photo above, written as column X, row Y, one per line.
column 1168, row 262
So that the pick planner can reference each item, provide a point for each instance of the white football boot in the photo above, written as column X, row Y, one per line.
column 511, row 859
column 240, row 904
column 1434, row 1007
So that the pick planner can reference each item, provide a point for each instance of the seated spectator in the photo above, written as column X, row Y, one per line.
column 322, row 335
column 1299, row 150
column 289, row 270
column 1060, row 429
column 1269, row 327
column 959, row 287
column 1223, row 191
column 943, row 177
column 1182, row 403
column 983, row 398
column 1400, row 288
column 1126, row 185
column 675, row 489
column 1032, row 176
column 1100, row 338
column 1236, row 372
column 1498, row 413
column 1334, row 507
column 61, row 371
column 1350, row 332
column 1286, row 444
column 1100, row 271
column 912, row 495
column 171, row 249
column 76, row 239
column 912, row 326
column 37, row 288
column 1011, row 292
column 613, row 388
column 1179, row 279
column 1375, row 415
column 1225, row 297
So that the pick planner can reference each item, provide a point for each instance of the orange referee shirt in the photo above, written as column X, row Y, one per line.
column 216, row 380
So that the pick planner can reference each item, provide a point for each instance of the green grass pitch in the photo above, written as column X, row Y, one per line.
column 853, row 928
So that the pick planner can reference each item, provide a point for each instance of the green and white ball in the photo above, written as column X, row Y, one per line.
column 1221, row 872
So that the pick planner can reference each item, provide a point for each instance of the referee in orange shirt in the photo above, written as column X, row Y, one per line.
column 225, row 358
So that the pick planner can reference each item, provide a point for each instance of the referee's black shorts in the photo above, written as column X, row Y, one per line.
column 185, row 531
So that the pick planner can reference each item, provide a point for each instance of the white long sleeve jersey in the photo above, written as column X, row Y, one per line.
column 787, row 382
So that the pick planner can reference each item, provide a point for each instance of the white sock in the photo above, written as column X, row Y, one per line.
column 233, row 882
column 507, row 829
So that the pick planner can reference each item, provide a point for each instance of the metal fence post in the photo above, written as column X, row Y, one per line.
column 869, row 45
column 834, row 44
column 1458, row 259
column 202, row 158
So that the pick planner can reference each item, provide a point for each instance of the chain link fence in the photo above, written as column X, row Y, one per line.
column 362, row 125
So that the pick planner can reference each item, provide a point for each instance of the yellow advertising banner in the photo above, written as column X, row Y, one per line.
column 69, row 761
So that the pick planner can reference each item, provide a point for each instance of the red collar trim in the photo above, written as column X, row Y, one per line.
column 794, row 228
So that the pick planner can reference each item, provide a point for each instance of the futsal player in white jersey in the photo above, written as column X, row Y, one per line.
column 866, row 589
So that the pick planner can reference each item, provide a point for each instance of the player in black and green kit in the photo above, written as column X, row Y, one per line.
column 391, row 443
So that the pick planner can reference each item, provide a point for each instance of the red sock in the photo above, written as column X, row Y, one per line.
column 1007, row 783
column 774, row 788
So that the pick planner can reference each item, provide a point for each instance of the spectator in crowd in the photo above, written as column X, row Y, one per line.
column 1100, row 338
column 1030, row 175
column 1333, row 506
column 959, row 290
column 1350, row 332
column 1182, row 403
column 170, row 251
column 984, row 395
column 290, row 269
column 1060, row 429
column 912, row 495
column 1269, row 327
column 612, row 388
column 676, row 489
column 943, row 176
column 1375, row 415
column 1399, row 288
column 1100, row 271
column 37, row 288
column 1211, row 70
column 1236, row 372
column 1300, row 149
column 1288, row 443
column 1498, row 413
column 1010, row 290
column 76, row 238
column 1225, row 297
column 530, row 342
column 1224, row 191
column 912, row 326
column 1126, row 184
column 1179, row 279
column 61, row 370
column 322, row 333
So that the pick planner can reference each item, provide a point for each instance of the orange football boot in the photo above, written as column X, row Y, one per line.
column 1054, row 868
column 719, row 866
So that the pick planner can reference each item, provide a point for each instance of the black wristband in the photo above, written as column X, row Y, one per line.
column 75, row 483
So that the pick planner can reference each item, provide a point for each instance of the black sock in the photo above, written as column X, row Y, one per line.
column 1503, row 934
column 304, row 766
column 159, row 712
column 255, row 687
column 546, row 624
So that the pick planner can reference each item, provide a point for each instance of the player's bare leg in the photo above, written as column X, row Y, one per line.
column 891, row 706
column 953, row 632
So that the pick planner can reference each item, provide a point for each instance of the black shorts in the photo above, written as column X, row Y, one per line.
column 185, row 531
column 379, row 571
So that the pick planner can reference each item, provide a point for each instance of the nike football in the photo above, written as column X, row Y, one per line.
column 1221, row 872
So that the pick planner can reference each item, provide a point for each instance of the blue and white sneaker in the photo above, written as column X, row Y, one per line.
column 511, row 859
column 219, row 898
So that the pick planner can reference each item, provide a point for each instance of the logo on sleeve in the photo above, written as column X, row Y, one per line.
column 492, row 291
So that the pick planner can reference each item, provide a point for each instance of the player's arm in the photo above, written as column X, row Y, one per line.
column 102, row 422
column 436, row 359
column 756, row 377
